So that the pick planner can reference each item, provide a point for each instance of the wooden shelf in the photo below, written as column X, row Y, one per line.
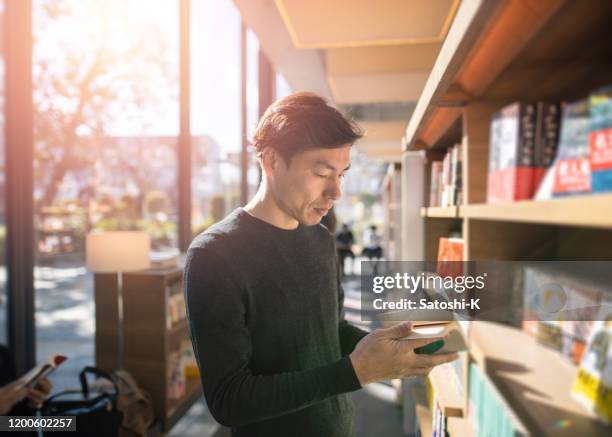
column 460, row 427
column 451, row 404
column 536, row 381
column 589, row 211
column 496, row 51
column 440, row 212
column 178, row 407
column 464, row 33
column 423, row 413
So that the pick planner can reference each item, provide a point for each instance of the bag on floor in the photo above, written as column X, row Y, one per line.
column 96, row 411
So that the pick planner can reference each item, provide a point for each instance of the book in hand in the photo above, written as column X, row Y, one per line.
column 38, row 373
column 450, row 334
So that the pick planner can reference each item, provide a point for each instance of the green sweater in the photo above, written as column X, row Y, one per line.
column 266, row 320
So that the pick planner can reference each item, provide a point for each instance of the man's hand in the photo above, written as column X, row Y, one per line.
column 382, row 354
column 37, row 395
column 11, row 394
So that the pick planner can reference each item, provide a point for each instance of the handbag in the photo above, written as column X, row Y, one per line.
column 96, row 412
column 135, row 404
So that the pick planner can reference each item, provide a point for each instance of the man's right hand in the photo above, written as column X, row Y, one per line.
column 382, row 354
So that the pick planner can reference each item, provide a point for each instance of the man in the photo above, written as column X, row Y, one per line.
column 264, row 298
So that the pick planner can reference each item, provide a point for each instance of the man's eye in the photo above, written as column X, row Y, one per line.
column 320, row 175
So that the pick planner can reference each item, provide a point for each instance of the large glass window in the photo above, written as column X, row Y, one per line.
column 252, row 108
column 3, row 290
column 106, row 129
column 215, row 110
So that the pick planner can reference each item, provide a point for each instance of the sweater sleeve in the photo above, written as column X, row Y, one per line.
column 349, row 335
column 221, row 340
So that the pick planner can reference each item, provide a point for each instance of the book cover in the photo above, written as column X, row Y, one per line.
column 488, row 410
column 511, row 153
column 600, row 139
column 593, row 384
column 434, row 187
column 450, row 256
column 572, row 166
column 451, row 331
column 547, row 138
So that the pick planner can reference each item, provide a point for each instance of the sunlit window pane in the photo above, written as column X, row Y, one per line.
column 106, row 125
column 215, row 110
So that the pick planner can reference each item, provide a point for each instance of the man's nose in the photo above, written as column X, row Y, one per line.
column 333, row 190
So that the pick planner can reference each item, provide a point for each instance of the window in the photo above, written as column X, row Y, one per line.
column 215, row 111
column 3, row 290
column 105, row 153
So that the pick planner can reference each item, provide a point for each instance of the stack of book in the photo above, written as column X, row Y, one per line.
column 190, row 364
column 544, row 149
column 445, row 187
column 177, row 311
column 176, row 376
column 522, row 145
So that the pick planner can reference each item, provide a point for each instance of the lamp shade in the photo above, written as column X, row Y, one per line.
column 117, row 251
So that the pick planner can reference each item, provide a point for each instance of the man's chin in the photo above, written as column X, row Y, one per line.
column 311, row 219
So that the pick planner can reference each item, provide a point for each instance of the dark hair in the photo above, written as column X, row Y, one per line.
column 301, row 121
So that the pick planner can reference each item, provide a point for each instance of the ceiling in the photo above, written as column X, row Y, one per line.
column 355, row 52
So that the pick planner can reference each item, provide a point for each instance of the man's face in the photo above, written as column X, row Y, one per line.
column 307, row 188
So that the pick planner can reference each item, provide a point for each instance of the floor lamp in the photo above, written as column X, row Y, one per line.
column 118, row 252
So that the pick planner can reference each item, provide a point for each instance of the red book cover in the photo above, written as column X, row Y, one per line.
column 573, row 165
column 450, row 257
column 511, row 154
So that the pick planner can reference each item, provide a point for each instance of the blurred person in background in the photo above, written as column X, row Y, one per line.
column 344, row 247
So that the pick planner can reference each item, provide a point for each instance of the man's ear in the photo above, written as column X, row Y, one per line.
column 269, row 161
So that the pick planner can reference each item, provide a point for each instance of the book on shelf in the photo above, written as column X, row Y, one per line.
column 176, row 376
column 572, row 170
column 512, row 153
column 592, row 387
column 559, row 306
column 583, row 163
column 600, row 139
column 450, row 256
column 434, row 187
column 547, row 138
column 489, row 412
column 445, row 179
column 190, row 364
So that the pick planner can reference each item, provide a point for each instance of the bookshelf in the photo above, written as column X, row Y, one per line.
column 441, row 212
column 148, row 339
column 451, row 404
column 151, row 337
column 533, row 378
column 496, row 53
column 423, row 413
column 586, row 211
